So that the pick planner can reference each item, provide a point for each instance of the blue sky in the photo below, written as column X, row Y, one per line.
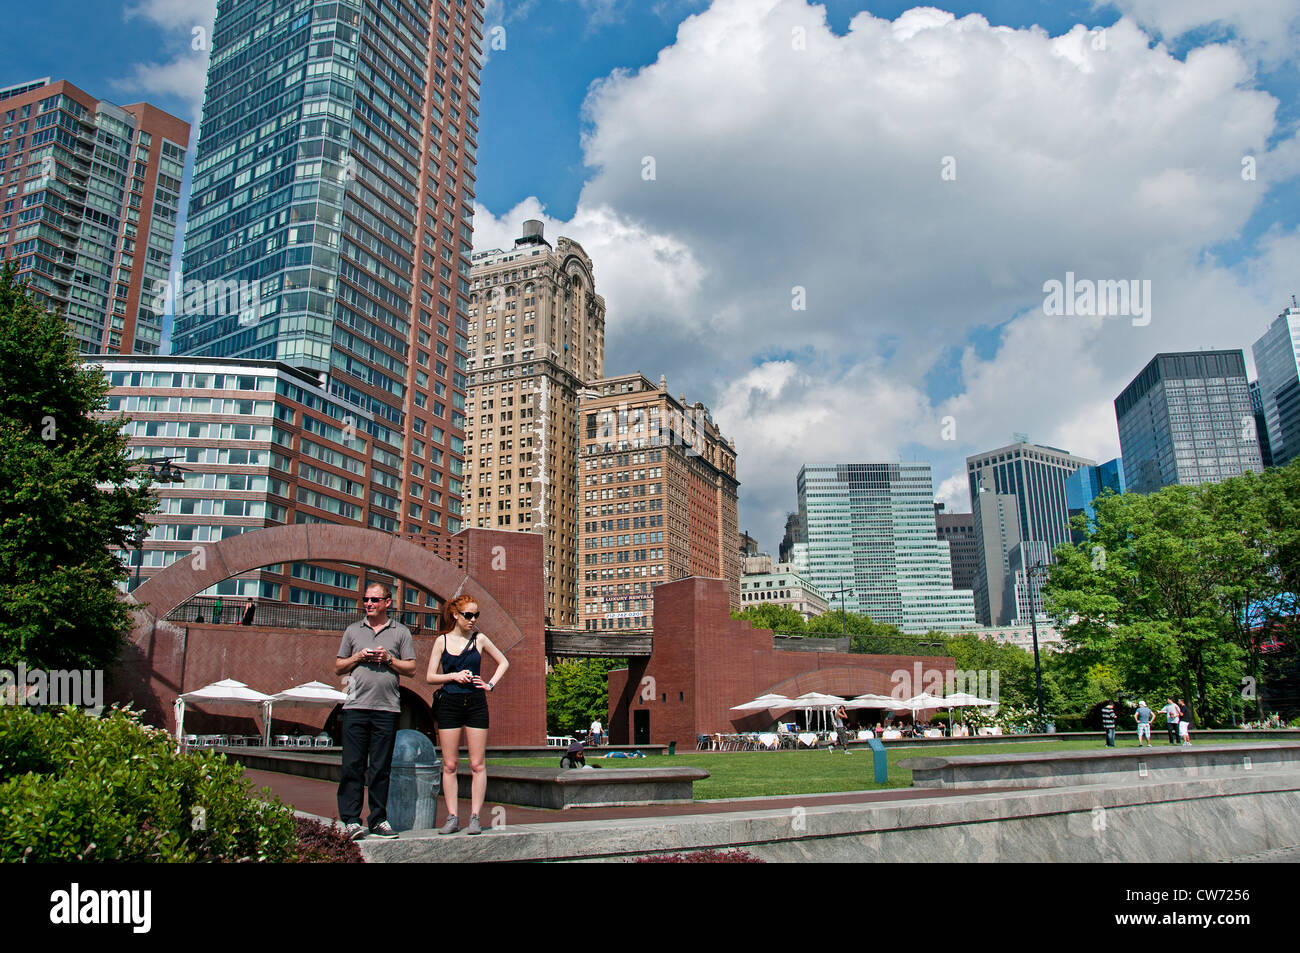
column 801, row 146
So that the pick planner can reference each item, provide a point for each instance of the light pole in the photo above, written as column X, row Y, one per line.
column 1030, row 572
column 160, row 470
column 844, row 616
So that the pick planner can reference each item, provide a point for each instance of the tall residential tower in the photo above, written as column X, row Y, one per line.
column 91, row 195
column 334, row 186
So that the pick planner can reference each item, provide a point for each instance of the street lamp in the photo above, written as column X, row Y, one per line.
column 844, row 615
column 1036, row 569
column 160, row 470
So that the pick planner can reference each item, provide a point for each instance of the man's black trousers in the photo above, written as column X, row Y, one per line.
column 366, row 734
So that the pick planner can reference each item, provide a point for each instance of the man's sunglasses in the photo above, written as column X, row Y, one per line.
column 469, row 615
column 373, row 599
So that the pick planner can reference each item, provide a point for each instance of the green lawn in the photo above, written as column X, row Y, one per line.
column 769, row 773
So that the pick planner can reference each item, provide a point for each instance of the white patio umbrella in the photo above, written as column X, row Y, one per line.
column 869, row 700
column 226, row 690
column 764, row 702
column 308, row 693
column 965, row 700
column 924, row 700
column 819, row 702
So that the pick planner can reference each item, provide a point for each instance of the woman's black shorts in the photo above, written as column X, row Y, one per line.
column 467, row 710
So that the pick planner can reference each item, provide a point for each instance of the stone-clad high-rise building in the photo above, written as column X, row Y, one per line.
column 536, row 338
column 1277, row 362
column 91, row 192
column 334, row 186
column 658, row 491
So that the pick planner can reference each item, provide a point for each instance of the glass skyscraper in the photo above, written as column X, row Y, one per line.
column 1187, row 419
column 333, row 185
column 1277, row 362
column 870, row 529
column 1087, row 483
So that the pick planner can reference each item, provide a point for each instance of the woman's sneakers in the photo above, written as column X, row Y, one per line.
column 451, row 827
column 474, row 827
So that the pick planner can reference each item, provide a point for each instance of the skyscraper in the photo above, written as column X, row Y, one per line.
column 91, row 195
column 333, row 185
column 1017, row 495
column 958, row 530
column 870, row 527
column 1086, row 484
column 1187, row 419
column 536, row 338
column 1277, row 362
column 657, row 486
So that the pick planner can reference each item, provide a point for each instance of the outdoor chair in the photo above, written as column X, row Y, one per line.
column 702, row 742
column 191, row 741
column 305, row 741
column 324, row 741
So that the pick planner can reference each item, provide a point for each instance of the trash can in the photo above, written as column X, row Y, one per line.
column 414, row 782
column 672, row 748
column 879, row 760
column 1051, row 727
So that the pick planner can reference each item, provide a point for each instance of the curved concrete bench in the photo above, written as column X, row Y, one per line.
column 563, row 788
column 1067, row 768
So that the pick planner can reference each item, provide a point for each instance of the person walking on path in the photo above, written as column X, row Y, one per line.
column 250, row 610
column 840, row 719
column 375, row 651
column 1172, row 714
column 455, row 665
column 1108, row 722
column 1144, row 718
column 1185, row 722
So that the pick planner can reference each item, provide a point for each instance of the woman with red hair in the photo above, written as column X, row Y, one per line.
column 462, row 703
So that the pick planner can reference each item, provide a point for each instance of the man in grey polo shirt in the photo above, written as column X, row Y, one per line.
column 375, row 651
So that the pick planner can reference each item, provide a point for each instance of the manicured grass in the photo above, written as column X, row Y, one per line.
column 774, row 773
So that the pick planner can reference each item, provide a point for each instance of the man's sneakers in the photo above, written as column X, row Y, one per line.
column 451, row 827
column 383, row 829
column 474, row 827
column 354, row 831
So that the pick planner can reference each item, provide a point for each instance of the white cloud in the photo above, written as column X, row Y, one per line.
column 788, row 157
column 1269, row 29
column 187, row 26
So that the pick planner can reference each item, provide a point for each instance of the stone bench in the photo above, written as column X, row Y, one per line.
column 564, row 788
column 1105, row 766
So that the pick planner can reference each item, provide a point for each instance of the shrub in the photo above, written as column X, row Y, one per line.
column 704, row 857
column 73, row 787
column 322, row 844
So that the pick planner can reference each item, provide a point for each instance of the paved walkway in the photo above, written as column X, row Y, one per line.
column 312, row 796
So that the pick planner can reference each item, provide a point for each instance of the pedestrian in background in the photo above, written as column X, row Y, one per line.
column 1108, row 722
column 1144, row 718
column 1173, row 714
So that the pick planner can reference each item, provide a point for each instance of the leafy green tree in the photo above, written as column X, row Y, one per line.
column 577, row 693
column 68, row 495
column 1145, row 593
column 769, row 615
column 1017, row 685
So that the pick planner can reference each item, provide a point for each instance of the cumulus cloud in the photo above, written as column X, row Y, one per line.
column 186, row 26
column 838, row 241
column 1268, row 29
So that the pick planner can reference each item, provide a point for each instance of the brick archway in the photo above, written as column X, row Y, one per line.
column 502, row 571
column 309, row 542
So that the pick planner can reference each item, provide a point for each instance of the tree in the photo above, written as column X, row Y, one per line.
column 577, row 692
column 68, row 495
column 769, row 615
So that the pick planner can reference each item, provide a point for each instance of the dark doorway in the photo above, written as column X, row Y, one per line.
column 641, row 726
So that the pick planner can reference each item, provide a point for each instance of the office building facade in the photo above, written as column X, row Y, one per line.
column 334, row 187
column 536, row 338
column 1017, row 495
column 763, row 583
column 658, row 491
column 91, row 193
column 1277, row 363
column 958, row 531
column 1085, row 484
column 870, row 530
column 1187, row 419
